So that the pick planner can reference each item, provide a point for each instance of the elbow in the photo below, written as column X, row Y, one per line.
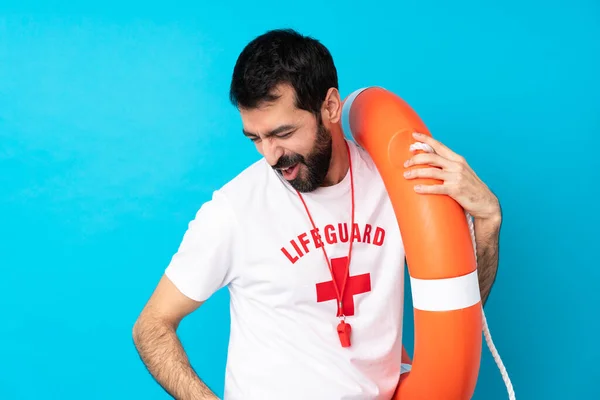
column 148, row 327
column 136, row 332
column 139, row 330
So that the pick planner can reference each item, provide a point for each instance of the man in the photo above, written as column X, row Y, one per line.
column 278, row 236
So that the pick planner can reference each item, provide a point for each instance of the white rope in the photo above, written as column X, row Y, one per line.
column 486, row 330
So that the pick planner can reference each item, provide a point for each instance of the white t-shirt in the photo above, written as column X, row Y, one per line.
column 255, row 237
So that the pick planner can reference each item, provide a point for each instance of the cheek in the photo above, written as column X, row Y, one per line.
column 302, row 144
column 259, row 148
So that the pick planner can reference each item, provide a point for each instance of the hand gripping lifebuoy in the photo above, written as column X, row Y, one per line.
column 439, row 246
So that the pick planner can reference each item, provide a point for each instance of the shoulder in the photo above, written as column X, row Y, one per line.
column 247, row 192
column 256, row 173
column 221, row 215
column 367, row 165
column 256, row 178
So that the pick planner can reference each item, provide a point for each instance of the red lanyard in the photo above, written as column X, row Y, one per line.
column 344, row 329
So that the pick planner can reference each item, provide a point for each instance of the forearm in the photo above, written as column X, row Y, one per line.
column 161, row 351
column 487, row 235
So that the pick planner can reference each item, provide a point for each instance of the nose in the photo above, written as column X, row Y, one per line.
column 271, row 151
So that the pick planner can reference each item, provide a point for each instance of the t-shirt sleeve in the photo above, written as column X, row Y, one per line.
column 204, row 260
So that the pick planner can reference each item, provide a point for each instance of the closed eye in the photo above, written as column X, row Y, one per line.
column 282, row 132
column 285, row 135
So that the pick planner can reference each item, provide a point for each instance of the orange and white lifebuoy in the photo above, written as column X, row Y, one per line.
column 439, row 253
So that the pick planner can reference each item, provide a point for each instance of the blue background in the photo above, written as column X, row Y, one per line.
column 115, row 126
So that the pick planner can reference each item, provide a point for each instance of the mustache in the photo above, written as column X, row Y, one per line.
column 288, row 161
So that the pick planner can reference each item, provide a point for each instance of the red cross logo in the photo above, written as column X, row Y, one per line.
column 354, row 285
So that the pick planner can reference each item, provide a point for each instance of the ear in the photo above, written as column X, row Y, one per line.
column 332, row 107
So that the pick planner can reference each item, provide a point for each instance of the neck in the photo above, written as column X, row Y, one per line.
column 339, row 164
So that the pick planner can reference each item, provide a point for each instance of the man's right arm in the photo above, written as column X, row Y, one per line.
column 204, row 263
column 156, row 340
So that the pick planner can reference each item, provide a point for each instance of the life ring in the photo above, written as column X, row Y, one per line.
column 439, row 253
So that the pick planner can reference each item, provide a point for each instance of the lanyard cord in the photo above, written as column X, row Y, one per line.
column 339, row 294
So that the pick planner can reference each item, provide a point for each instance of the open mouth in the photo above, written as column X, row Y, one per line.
column 290, row 172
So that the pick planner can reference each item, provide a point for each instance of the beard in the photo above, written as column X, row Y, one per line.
column 313, row 167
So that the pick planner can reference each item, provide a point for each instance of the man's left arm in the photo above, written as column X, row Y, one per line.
column 461, row 183
column 487, row 237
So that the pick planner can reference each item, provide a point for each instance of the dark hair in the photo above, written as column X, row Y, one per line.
column 283, row 56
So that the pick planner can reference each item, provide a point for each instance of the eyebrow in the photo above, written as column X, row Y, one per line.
column 280, row 129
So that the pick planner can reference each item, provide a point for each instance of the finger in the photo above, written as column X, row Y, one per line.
column 433, row 173
column 431, row 189
column 437, row 146
column 431, row 159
